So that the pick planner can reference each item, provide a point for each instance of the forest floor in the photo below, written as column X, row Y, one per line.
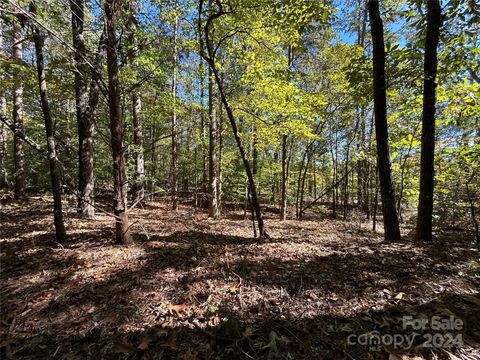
column 193, row 288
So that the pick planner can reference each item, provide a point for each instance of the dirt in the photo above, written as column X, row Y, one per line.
column 195, row 288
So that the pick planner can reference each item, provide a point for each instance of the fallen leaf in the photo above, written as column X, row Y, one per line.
column 176, row 309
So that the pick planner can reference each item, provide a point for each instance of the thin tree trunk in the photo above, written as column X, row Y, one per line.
column 139, row 185
column 49, row 131
column 203, row 129
column 314, row 165
column 425, row 205
column 174, row 164
column 220, row 158
column 283, row 200
column 246, row 162
column 274, row 179
column 210, row 58
column 403, row 162
column 122, row 233
column 3, row 143
column 3, row 128
column 375, row 202
column 84, row 122
column 471, row 201
column 361, row 164
column 390, row 219
column 211, row 61
column 19, row 156
column 347, row 160
column 368, row 175
column 212, row 152
column 301, row 186
column 285, row 157
column 334, row 153
column 153, row 161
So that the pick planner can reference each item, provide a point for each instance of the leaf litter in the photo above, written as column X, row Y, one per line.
column 192, row 288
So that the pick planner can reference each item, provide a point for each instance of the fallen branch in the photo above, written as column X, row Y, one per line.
column 325, row 192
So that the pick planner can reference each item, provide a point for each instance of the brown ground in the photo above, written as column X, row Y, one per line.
column 192, row 288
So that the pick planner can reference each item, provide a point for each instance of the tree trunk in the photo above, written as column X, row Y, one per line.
column 390, row 219
column 139, row 185
column 3, row 143
column 425, row 205
column 153, row 161
column 19, row 156
column 283, row 200
column 471, row 202
column 274, row 179
column 3, row 129
column 334, row 154
column 203, row 129
column 84, row 121
column 122, row 233
column 246, row 162
column 362, row 165
column 49, row 130
column 174, row 167
column 212, row 153
column 375, row 203
column 220, row 158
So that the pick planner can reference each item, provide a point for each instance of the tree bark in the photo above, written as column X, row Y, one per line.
column 3, row 143
column 283, row 200
column 471, row 202
column 220, row 159
column 203, row 129
column 153, row 161
column 139, row 185
column 49, row 130
column 3, row 129
column 212, row 153
column 425, row 205
column 19, row 156
column 390, row 219
column 122, row 233
column 174, row 167
column 84, row 121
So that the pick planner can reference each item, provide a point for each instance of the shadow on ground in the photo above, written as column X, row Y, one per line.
column 91, row 299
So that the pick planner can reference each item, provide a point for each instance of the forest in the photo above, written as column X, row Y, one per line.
column 240, row 179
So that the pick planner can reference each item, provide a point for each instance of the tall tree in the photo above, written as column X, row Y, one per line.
column 3, row 128
column 284, row 183
column 19, row 156
column 212, row 153
column 139, row 184
column 174, row 164
column 122, row 233
column 38, row 40
column 212, row 149
column 285, row 157
column 425, row 203
column 390, row 218
column 138, row 188
column 210, row 57
column 85, row 122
